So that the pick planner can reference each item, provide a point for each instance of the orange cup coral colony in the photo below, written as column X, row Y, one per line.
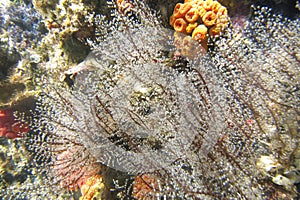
column 199, row 18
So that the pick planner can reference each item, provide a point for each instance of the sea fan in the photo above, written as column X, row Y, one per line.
column 190, row 128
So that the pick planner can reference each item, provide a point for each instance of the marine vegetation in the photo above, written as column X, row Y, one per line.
column 141, row 120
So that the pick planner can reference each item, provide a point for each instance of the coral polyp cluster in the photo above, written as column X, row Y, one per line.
column 199, row 18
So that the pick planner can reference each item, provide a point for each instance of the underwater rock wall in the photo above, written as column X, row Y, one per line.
column 137, row 118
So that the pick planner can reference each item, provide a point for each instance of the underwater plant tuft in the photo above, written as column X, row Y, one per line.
column 158, row 125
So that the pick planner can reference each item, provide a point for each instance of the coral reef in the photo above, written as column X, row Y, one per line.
column 21, row 26
column 20, row 32
column 130, row 110
column 140, row 120
column 69, row 23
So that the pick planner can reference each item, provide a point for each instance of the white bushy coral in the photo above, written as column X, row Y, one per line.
column 199, row 126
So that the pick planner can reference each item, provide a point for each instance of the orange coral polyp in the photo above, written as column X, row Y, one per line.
column 172, row 20
column 191, row 27
column 180, row 25
column 209, row 18
column 200, row 33
column 201, row 12
column 185, row 8
column 208, row 4
column 215, row 30
column 216, row 6
column 222, row 11
column 199, row 3
column 192, row 15
column 222, row 21
column 176, row 12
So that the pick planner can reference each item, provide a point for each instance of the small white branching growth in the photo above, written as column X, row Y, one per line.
column 198, row 130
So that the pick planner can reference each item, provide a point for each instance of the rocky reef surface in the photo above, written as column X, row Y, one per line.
column 102, row 100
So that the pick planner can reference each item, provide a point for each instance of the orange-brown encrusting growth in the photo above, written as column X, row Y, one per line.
column 144, row 187
column 215, row 30
column 200, row 19
column 187, row 46
column 191, row 27
column 200, row 33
